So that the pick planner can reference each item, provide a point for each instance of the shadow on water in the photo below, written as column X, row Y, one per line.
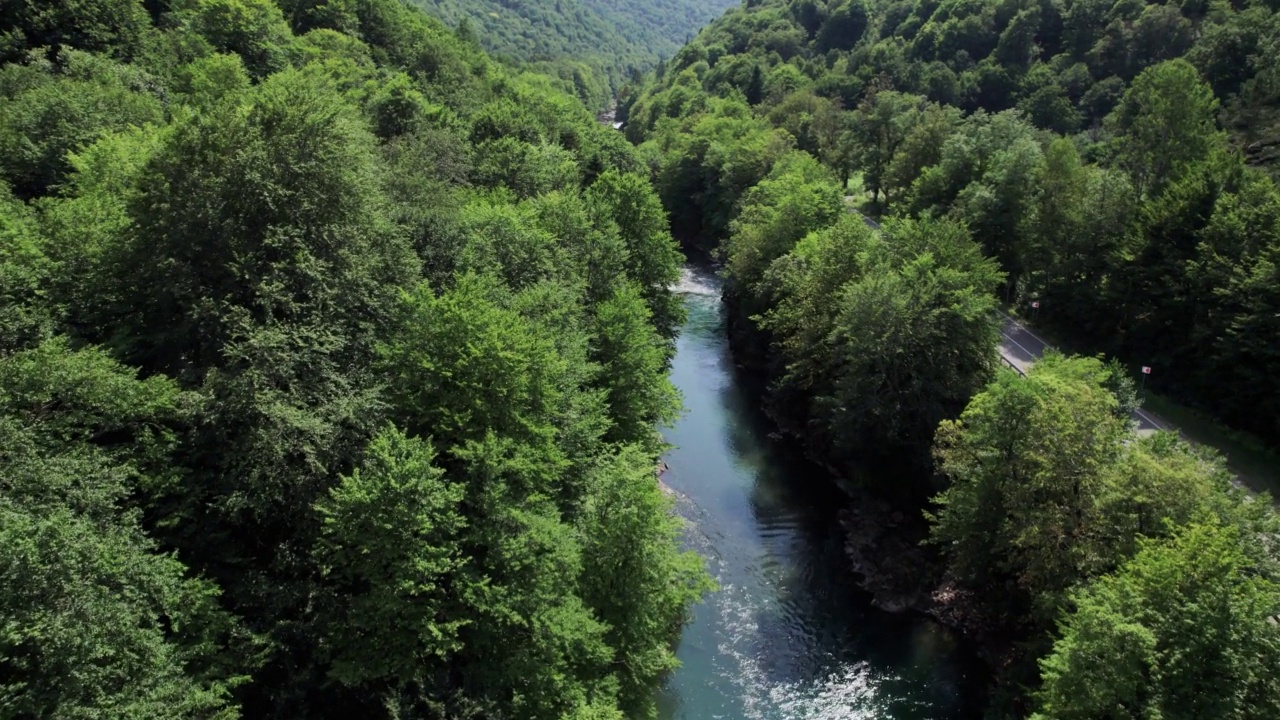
column 789, row 634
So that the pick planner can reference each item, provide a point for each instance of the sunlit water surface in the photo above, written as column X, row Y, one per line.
column 788, row 634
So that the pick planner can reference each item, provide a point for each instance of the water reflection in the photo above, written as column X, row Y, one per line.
column 788, row 635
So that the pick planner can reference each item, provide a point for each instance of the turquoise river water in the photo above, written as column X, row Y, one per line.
column 788, row 635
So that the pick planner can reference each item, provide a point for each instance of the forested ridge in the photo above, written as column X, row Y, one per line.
column 594, row 46
column 331, row 353
column 1113, row 157
column 1110, row 161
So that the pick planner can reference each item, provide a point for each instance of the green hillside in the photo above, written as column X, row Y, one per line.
column 1104, row 153
column 331, row 357
column 594, row 45
column 1064, row 65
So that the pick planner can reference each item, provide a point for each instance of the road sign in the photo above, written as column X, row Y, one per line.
column 1035, row 304
column 1146, row 370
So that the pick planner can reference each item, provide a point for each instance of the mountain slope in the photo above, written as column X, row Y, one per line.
column 1163, row 115
column 1064, row 64
column 614, row 37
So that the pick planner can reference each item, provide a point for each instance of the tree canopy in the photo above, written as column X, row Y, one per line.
column 1097, row 152
column 331, row 358
column 593, row 48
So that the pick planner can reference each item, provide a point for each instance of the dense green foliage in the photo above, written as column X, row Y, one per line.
column 594, row 47
column 869, row 339
column 1108, row 155
column 1183, row 630
column 1159, row 576
column 1110, row 160
column 96, row 617
column 331, row 354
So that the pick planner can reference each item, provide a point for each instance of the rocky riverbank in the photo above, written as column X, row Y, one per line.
column 887, row 552
column 658, row 472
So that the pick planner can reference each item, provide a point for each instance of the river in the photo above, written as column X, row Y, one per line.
column 788, row 635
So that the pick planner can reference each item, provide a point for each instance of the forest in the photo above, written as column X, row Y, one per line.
column 333, row 349
column 1111, row 161
column 331, row 354
column 593, row 47
column 1122, row 183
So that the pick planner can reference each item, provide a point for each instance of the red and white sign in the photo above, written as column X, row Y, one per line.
column 1035, row 303
column 1146, row 370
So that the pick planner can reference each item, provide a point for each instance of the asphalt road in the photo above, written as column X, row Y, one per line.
column 1020, row 347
